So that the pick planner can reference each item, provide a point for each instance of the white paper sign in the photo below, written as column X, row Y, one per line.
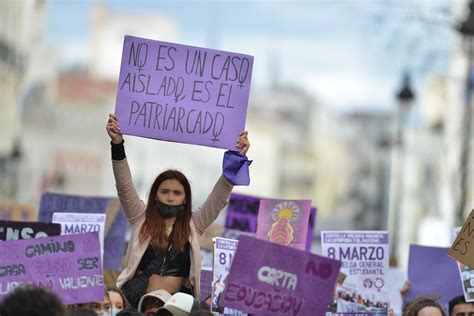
column 80, row 223
column 224, row 250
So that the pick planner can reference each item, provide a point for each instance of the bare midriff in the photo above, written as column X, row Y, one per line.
column 172, row 284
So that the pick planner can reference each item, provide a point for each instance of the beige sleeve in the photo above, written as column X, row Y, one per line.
column 133, row 206
column 215, row 202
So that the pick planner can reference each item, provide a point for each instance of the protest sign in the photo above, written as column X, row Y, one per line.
column 69, row 266
column 233, row 233
column 182, row 93
column 462, row 248
column 280, row 280
column 284, row 221
column 311, row 224
column 80, row 223
column 116, row 224
column 432, row 272
column 206, row 282
column 364, row 256
column 11, row 230
column 224, row 251
column 242, row 213
column 13, row 211
column 466, row 274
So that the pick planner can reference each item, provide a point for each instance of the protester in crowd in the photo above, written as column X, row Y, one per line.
column 459, row 307
column 117, row 300
column 101, row 308
column 150, row 302
column 31, row 300
column 163, row 251
column 179, row 304
column 423, row 306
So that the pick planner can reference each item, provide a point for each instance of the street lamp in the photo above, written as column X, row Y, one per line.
column 466, row 29
column 405, row 97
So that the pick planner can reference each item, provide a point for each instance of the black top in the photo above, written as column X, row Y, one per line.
column 169, row 262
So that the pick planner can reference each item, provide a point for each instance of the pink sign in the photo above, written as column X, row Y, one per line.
column 284, row 222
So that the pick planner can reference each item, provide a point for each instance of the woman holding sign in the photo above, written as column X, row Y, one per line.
column 163, row 251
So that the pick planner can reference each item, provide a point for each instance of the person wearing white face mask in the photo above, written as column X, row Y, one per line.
column 101, row 308
column 117, row 301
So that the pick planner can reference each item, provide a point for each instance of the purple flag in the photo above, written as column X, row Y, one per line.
column 284, row 221
column 11, row 230
column 69, row 266
column 432, row 272
column 182, row 93
column 116, row 223
column 280, row 280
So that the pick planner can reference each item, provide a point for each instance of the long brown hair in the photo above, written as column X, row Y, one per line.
column 155, row 227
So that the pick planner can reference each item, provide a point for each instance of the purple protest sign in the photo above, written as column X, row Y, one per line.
column 281, row 280
column 312, row 222
column 182, row 93
column 432, row 272
column 206, row 283
column 284, row 221
column 11, row 230
column 116, row 223
column 242, row 213
column 69, row 266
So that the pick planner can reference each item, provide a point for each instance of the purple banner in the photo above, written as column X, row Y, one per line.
column 242, row 213
column 432, row 272
column 280, row 280
column 116, row 224
column 10, row 230
column 69, row 266
column 182, row 93
column 284, row 221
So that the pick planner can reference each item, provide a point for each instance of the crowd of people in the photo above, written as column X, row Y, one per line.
column 162, row 264
column 35, row 301
column 32, row 300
